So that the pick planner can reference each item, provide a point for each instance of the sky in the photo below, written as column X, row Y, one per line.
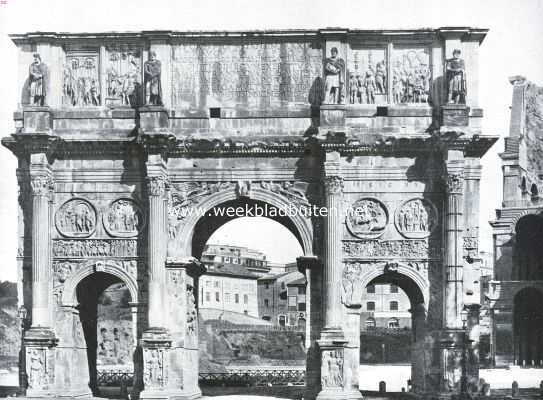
column 512, row 47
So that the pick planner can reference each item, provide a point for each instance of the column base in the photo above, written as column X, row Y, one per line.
column 335, row 394
column 173, row 394
column 65, row 395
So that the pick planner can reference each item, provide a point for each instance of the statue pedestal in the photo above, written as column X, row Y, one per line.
column 454, row 115
column 37, row 119
column 154, row 119
column 332, row 116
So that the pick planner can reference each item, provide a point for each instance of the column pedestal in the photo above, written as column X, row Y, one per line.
column 40, row 362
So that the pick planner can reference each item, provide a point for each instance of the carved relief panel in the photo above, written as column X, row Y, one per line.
column 411, row 75
column 154, row 369
column 124, row 218
column 76, row 218
column 367, row 76
column 123, row 76
column 367, row 218
column 39, row 364
column 192, row 315
column 81, row 82
column 332, row 368
column 416, row 218
column 250, row 74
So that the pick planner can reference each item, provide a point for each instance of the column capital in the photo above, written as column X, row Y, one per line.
column 333, row 184
column 192, row 265
column 156, row 185
column 454, row 182
column 41, row 184
column 307, row 262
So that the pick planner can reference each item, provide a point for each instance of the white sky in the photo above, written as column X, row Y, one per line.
column 513, row 46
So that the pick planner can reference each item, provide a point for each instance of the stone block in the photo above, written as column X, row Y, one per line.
column 37, row 120
column 454, row 115
column 332, row 115
column 154, row 118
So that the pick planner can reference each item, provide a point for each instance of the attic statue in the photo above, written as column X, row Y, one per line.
column 153, row 88
column 456, row 79
column 334, row 71
column 37, row 78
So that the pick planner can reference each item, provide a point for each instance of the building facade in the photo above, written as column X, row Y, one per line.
column 515, row 292
column 385, row 306
column 119, row 136
column 253, row 260
column 229, row 287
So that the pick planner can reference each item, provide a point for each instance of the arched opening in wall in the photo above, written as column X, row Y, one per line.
column 108, row 328
column 534, row 191
column 528, row 328
column 252, row 299
column 393, row 320
column 528, row 251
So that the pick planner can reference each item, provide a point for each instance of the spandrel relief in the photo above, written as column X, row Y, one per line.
column 81, row 83
column 76, row 218
column 124, row 218
column 416, row 218
column 123, row 76
column 367, row 218
column 367, row 76
column 411, row 76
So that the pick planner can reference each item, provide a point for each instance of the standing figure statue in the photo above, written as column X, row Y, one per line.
column 380, row 78
column 371, row 87
column 456, row 79
column 334, row 68
column 353, row 89
column 38, row 81
column 153, row 89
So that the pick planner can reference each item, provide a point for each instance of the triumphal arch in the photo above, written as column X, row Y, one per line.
column 120, row 137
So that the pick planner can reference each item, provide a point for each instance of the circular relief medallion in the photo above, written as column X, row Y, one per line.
column 416, row 218
column 124, row 218
column 367, row 218
column 76, row 218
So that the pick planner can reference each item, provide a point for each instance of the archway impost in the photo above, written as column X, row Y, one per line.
column 192, row 265
column 305, row 263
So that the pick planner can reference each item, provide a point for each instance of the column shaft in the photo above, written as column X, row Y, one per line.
column 332, row 254
column 41, row 240
column 156, row 250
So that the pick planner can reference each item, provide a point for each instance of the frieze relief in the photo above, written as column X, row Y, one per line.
column 76, row 218
column 367, row 218
column 368, row 76
column 124, row 218
column 416, row 218
column 332, row 368
column 411, row 76
column 123, row 79
column 406, row 249
column 76, row 248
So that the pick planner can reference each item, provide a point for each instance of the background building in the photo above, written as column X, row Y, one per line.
column 385, row 306
column 253, row 260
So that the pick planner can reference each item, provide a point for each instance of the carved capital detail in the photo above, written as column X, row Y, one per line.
column 42, row 185
column 454, row 182
column 156, row 185
column 333, row 184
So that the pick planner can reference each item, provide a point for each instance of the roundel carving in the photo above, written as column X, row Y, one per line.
column 124, row 218
column 367, row 218
column 76, row 218
column 416, row 218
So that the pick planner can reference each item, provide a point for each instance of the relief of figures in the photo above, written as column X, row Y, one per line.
column 456, row 79
column 124, row 218
column 411, row 76
column 416, row 218
column 38, row 80
column 334, row 78
column 153, row 87
column 36, row 368
column 81, row 86
column 153, row 368
column 192, row 315
column 367, row 218
column 367, row 78
column 332, row 368
column 124, row 78
column 76, row 218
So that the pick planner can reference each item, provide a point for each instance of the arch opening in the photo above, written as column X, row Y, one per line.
column 104, row 304
column 528, row 328
column 528, row 252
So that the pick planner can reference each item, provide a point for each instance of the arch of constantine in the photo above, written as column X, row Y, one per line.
column 366, row 145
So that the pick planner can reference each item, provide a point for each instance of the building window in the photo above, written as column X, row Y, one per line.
column 301, row 290
column 370, row 306
column 393, row 289
column 226, row 259
column 282, row 285
column 227, row 297
column 266, row 318
column 208, row 296
column 370, row 288
column 267, row 285
column 236, row 298
column 393, row 306
column 292, row 303
column 370, row 323
column 245, row 299
column 217, row 297
column 301, row 306
column 393, row 323
column 208, row 283
column 266, row 302
column 216, row 284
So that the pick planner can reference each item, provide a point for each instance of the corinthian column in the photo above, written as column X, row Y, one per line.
column 41, row 185
column 156, row 249
column 454, row 226
column 332, row 253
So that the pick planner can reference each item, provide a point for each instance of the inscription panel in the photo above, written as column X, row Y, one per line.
column 248, row 75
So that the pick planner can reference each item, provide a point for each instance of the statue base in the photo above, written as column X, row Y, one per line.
column 37, row 120
column 332, row 116
column 455, row 115
column 154, row 119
